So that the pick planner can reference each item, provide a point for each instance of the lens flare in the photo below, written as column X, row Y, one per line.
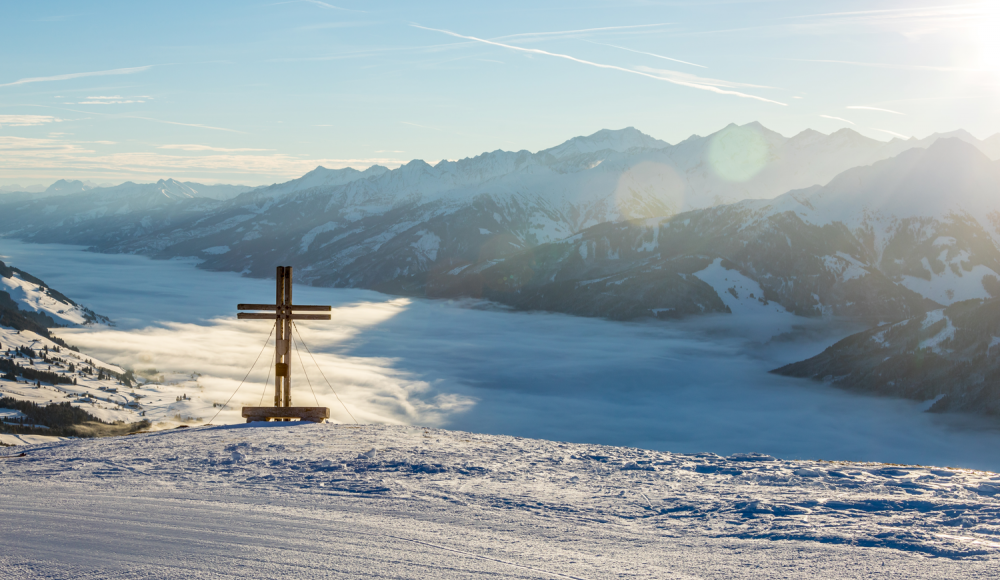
column 738, row 153
column 988, row 32
column 649, row 189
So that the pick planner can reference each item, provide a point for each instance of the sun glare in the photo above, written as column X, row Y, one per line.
column 988, row 32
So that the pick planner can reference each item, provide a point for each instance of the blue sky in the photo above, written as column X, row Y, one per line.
column 259, row 92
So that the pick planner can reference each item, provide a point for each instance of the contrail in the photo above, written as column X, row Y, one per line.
column 893, row 133
column 837, row 119
column 564, row 32
column 606, row 66
column 117, row 71
column 648, row 54
column 875, row 109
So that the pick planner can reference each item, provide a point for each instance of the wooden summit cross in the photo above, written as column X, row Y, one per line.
column 283, row 314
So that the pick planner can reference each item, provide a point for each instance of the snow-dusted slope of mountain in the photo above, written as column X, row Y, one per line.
column 605, row 140
column 85, row 217
column 947, row 357
column 62, row 205
column 15, row 188
column 25, row 296
column 395, row 230
column 884, row 242
column 47, row 372
column 64, row 187
column 930, row 218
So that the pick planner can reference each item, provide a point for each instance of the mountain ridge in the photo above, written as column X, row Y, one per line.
column 402, row 230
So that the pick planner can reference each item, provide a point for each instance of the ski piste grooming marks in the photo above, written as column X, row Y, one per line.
column 248, row 500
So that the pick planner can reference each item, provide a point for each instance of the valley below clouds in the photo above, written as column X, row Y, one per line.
column 685, row 386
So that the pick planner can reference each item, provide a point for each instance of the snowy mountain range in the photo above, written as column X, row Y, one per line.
column 17, row 188
column 127, row 193
column 882, row 242
column 402, row 230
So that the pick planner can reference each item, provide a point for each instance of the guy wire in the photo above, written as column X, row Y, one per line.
column 296, row 328
column 248, row 373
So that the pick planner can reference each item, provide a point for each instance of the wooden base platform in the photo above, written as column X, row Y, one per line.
column 314, row 414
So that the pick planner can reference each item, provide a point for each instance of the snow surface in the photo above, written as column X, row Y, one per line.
column 34, row 298
column 15, row 440
column 10, row 414
column 745, row 298
column 948, row 287
column 428, row 244
column 155, row 398
column 304, row 501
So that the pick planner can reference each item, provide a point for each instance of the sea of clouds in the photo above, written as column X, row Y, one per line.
column 692, row 386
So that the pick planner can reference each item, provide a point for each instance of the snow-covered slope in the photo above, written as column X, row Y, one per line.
column 106, row 391
column 34, row 298
column 948, row 357
column 105, row 398
column 884, row 242
column 20, row 292
column 255, row 501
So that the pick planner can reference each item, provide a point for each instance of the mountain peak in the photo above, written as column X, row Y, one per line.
column 954, row 151
column 620, row 140
column 950, row 175
column 956, row 134
column 65, row 187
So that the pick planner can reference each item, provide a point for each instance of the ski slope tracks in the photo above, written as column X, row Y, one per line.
column 307, row 500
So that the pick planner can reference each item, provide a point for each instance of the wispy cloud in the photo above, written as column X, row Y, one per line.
column 893, row 133
column 668, row 79
column 27, row 120
column 864, row 108
column 117, row 71
column 194, row 147
column 123, row 116
column 892, row 66
column 912, row 22
column 335, row 25
column 837, row 119
column 648, row 54
column 900, row 13
column 690, row 78
column 319, row 3
column 22, row 155
column 198, row 125
column 112, row 100
column 581, row 31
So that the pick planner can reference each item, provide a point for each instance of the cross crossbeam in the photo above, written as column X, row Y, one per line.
column 283, row 312
column 258, row 316
column 304, row 307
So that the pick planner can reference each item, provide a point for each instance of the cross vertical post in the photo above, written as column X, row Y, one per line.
column 282, row 352
column 283, row 316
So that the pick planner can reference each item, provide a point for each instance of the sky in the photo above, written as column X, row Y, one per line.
column 261, row 92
